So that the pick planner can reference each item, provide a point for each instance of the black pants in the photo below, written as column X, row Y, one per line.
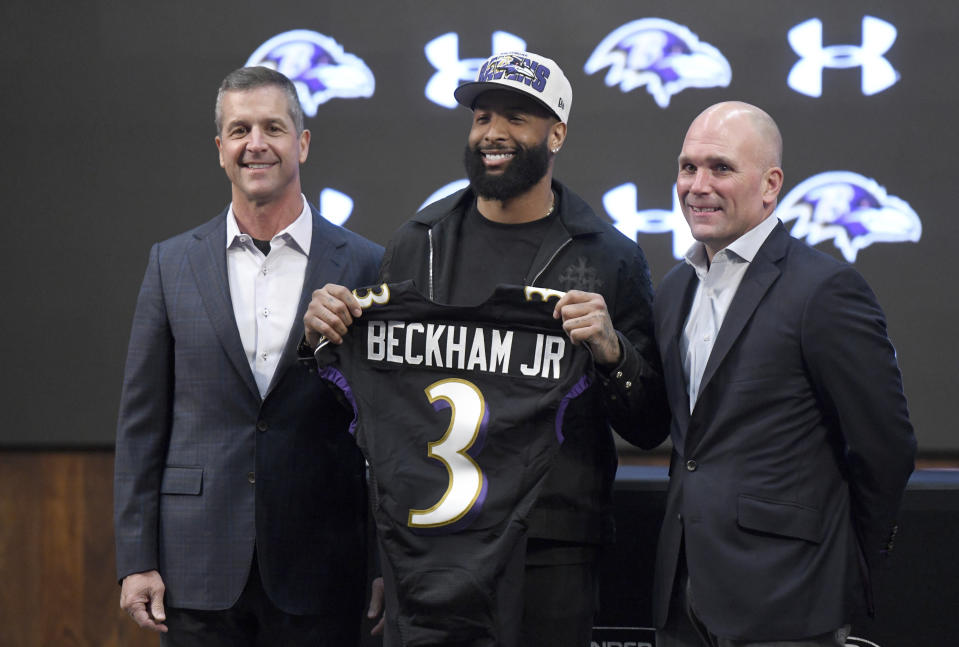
column 254, row 621
column 684, row 628
column 560, row 594
column 552, row 604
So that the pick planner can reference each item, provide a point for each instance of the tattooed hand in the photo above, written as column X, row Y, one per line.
column 586, row 319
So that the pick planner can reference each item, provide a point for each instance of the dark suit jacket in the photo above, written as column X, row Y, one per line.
column 786, row 479
column 205, row 467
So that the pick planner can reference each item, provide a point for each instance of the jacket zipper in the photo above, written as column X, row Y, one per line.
column 429, row 235
column 550, row 260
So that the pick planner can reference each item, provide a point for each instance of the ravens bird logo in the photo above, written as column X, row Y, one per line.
column 318, row 67
column 665, row 57
column 852, row 210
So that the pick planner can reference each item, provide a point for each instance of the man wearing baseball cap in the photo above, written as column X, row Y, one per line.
column 515, row 224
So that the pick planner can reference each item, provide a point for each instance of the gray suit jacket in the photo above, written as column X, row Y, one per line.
column 786, row 479
column 205, row 467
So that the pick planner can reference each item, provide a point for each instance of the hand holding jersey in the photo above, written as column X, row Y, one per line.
column 586, row 320
column 330, row 314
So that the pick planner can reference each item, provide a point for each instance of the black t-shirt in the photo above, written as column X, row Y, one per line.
column 492, row 253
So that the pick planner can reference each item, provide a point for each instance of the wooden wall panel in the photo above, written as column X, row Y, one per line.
column 57, row 586
column 56, row 553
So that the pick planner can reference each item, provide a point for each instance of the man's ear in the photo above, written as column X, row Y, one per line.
column 304, row 145
column 557, row 136
column 772, row 184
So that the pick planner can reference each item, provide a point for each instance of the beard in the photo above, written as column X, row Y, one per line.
column 527, row 167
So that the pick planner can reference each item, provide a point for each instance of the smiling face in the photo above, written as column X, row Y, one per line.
column 729, row 175
column 260, row 149
column 508, row 149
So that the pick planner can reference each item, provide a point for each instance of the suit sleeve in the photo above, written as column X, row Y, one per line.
column 853, row 367
column 634, row 391
column 143, row 427
column 370, row 255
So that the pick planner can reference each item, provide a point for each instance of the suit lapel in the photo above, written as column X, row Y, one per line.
column 326, row 264
column 207, row 257
column 674, row 321
column 761, row 274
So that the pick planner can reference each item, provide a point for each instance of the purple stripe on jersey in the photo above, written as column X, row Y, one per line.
column 478, row 506
column 477, row 446
column 465, row 521
column 334, row 376
column 574, row 392
column 474, row 453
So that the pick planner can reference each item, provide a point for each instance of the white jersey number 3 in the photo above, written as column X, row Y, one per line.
column 466, row 479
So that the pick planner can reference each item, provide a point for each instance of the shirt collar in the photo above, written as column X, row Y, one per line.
column 299, row 232
column 696, row 257
column 745, row 247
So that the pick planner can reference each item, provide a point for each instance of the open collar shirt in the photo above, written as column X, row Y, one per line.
column 266, row 289
column 718, row 282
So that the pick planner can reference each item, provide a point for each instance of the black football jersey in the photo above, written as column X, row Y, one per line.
column 458, row 410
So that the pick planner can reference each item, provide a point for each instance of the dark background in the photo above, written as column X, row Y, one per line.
column 108, row 108
column 914, row 592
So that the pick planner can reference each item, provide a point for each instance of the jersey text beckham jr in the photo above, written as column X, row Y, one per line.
column 458, row 410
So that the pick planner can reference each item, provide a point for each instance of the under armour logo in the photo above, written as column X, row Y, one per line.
column 335, row 206
column 443, row 54
column 445, row 190
column 621, row 202
column 878, row 74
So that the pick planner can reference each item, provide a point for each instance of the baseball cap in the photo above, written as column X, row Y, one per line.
column 525, row 72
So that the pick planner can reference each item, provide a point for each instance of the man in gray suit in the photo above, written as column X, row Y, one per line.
column 791, row 438
column 239, row 494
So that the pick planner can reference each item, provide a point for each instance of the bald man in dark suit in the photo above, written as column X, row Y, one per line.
column 791, row 438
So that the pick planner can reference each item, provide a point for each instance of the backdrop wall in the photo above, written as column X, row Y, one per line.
column 109, row 108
